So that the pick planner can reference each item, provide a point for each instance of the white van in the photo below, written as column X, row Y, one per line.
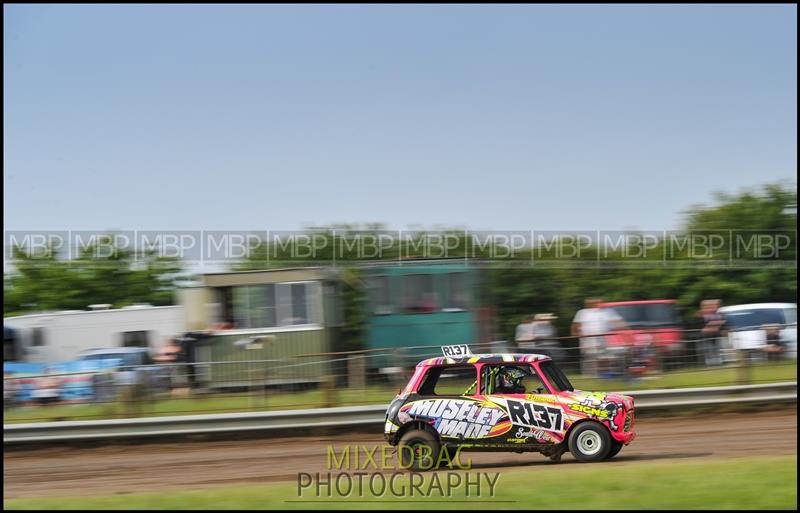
column 745, row 325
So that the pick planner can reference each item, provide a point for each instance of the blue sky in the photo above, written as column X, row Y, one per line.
column 484, row 117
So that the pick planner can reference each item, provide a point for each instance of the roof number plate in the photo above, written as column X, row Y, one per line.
column 456, row 351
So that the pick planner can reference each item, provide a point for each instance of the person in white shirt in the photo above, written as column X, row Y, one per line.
column 524, row 335
column 545, row 337
column 591, row 324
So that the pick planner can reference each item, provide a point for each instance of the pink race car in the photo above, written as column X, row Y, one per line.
column 503, row 402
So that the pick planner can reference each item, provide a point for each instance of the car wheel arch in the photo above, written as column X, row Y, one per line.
column 417, row 424
column 584, row 421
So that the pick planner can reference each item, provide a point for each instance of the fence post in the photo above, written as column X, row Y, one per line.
column 329, row 391
column 743, row 367
column 356, row 372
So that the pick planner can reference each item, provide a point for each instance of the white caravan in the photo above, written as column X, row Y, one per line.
column 61, row 336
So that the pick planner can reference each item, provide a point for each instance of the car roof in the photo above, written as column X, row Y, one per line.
column 483, row 358
column 757, row 306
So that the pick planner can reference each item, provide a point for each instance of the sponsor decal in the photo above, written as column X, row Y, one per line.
column 500, row 428
column 457, row 418
column 589, row 410
column 535, row 415
column 537, row 434
column 542, row 399
column 596, row 404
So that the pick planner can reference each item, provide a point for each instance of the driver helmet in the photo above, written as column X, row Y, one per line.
column 510, row 377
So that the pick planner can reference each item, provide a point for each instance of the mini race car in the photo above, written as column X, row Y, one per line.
column 502, row 402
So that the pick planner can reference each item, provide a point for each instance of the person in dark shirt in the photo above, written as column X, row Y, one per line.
column 775, row 346
column 711, row 331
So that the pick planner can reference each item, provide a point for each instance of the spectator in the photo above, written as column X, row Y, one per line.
column 775, row 346
column 713, row 323
column 592, row 324
column 543, row 330
column 544, row 336
column 170, row 354
column 524, row 335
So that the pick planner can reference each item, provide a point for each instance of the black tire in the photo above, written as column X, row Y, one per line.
column 589, row 442
column 420, row 445
column 615, row 448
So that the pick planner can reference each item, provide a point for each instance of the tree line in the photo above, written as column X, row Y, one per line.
column 50, row 282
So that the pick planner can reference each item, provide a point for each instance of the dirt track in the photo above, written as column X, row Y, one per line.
column 147, row 467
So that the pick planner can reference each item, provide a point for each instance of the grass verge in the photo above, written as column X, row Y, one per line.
column 740, row 483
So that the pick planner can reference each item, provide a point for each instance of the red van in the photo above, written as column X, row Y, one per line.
column 653, row 333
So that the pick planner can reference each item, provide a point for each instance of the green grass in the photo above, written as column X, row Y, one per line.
column 718, row 376
column 216, row 403
column 221, row 403
column 751, row 483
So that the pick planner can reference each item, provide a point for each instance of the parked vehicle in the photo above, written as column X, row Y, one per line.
column 746, row 324
column 653, row 336
column 61, row 336
column 134, row 367
column 502, row 402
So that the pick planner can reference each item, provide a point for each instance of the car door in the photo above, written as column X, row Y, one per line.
column 449, row 401
column 535, row 416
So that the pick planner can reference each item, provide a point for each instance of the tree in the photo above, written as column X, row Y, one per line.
column 116, row 276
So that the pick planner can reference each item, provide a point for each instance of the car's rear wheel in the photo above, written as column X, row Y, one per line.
column 419, row 450
column 589, row 442
column 615, row 448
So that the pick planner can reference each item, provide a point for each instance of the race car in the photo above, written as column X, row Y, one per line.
column 502, row 402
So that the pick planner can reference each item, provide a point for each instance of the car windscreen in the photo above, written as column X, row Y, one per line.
column 648, row 315
column 756, row 318
column 556, row 376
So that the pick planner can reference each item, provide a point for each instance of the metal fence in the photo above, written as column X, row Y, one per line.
column 303, row 421
column 368, row 377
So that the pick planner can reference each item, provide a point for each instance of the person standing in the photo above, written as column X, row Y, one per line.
column 544, row 336
column 591, row 325
column 170, row 356
column 524, row 335
column 713, row 323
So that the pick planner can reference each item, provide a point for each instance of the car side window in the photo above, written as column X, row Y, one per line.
column 528, row 380
column 451, row 380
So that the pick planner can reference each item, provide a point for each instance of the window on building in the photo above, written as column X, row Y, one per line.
column 379, row 295
column 457, row 298
column 300, row 303
column 272, row 305
column 419, row 293
column 254, row 306
column 136, row 339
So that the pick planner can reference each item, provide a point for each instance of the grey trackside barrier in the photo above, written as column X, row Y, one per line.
column 346, row 416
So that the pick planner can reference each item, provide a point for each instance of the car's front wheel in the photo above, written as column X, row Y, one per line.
column 615, row 448
column 589, row 442
column 419, row 450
